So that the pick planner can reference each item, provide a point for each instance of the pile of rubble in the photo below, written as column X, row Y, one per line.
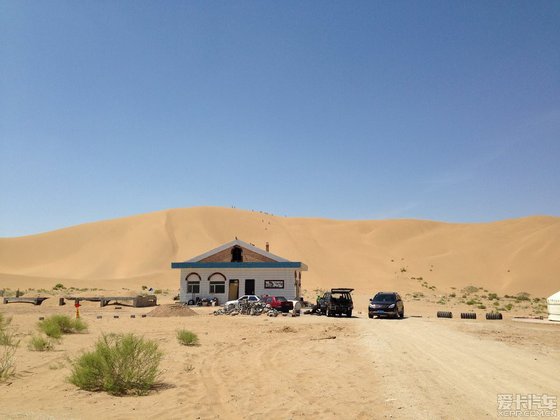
column 253, row 309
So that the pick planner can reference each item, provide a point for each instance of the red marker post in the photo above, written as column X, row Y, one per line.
column 77, row 305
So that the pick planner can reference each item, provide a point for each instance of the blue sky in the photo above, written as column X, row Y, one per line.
column 342, row 109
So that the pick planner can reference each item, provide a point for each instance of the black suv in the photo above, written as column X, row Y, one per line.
column 337, row 302
column 387, row 304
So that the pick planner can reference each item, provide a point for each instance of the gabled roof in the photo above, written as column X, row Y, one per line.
column 242, row 244
column 272, row 260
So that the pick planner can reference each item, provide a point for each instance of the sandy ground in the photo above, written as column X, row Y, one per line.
column 262, row 367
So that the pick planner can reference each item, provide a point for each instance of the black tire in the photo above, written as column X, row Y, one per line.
column 190, row 302
column 370, row 316
column 402, row 314
column 494, row 315
column 468, row 315
column 349, row 313
column 444, row 314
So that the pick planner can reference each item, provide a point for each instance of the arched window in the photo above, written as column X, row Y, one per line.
column 217, row 283
column 193, row 283
column 236, row 254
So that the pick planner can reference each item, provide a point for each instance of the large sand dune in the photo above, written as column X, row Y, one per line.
column 508, row 256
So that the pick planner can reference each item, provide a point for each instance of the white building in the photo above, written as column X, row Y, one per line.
column 238, row 268
column 554, row 307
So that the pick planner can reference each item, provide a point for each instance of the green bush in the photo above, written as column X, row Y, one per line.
column 523, row 296
column 508, row 307
column 8, row 346
column 470, row 289
column 7, row 367
column 7, row 335
column 4, row 322
column 187, row 338
column 59, row 286
column 493, row 296
column 120, row 364
column 56, row 325
column 481, row 306
column 40, row 343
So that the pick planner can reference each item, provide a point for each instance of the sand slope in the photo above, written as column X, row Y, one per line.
column 508, row 256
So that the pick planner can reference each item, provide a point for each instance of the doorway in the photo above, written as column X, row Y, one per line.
column 250, row 286
column 233, row 292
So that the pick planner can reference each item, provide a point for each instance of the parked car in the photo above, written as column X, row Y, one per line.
column 337, row 302
column 249, row 298
column 386, row 304
column 279, row 303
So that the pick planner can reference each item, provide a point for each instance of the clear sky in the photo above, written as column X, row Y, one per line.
column 442, row 110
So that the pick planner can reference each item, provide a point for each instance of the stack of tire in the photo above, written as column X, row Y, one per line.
column 444, row 314
column 468, row 315
column 494, row 315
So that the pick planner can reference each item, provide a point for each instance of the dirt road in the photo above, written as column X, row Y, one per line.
column 455, row 369
column 308, row 366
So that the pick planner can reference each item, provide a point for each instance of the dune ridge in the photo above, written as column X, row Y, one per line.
column 507, row 256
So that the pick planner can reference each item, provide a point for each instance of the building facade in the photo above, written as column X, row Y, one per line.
column 238, row 268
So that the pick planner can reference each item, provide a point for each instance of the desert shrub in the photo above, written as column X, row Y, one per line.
column 187, row 338
column 493, row 296
column 508, row 307
column 119, row 364
column 158, row 292
column 452, row 295
column 8, row 346
column 481, row 306
column 7, row 359
column 403, row 269
column 40, row 343
column 523, row 296
column 144, row 287
column 470, row 289
column 4, row 322
column 7, row 335
column 472, row 302
column 59, row 286
column 56, row 325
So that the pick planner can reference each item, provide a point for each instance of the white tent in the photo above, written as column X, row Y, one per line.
column 554, row 307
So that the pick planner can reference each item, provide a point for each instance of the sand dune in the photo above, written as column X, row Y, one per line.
column 508, row 256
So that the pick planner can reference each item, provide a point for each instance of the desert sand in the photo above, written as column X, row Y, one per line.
column 511, row 256
column 307, row 366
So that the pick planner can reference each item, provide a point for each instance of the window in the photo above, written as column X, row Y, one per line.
column 237, row 254
column 217, row 287
column 193, row 283
column 193, row 287
column 274, row 284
